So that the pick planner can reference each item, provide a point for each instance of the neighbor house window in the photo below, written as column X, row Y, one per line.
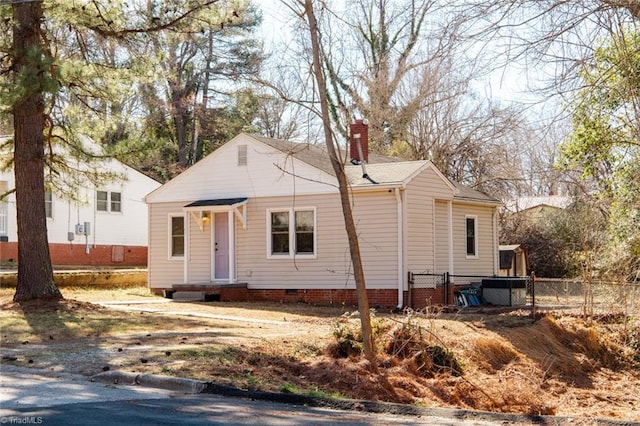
column 101, row 201
column 48, row 204
column 292, row 232
column 116, row 202
column 176, row 236
column 472, row 235
column 108, row 201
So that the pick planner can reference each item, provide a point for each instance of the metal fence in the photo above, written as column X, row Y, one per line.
column 550, row 294
column 597, row 296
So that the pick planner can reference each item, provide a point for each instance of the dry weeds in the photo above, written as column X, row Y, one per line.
column 496, row 362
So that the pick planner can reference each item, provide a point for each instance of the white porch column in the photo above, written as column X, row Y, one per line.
column 232, row 246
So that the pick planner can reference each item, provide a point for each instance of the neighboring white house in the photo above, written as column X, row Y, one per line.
column 106, row 225
column 261, row 219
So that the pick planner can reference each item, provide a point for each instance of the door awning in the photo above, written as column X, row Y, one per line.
column 237, row 205
column 218, row 202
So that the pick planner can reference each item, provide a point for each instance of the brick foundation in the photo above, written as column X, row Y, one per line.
column 388, row 298
column 74, row 254
column 377, row 298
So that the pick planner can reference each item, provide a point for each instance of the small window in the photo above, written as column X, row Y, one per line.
column 102, row 201
column 177, row 236
column 292, row 232
column 116, row 203
column 109, row 201
column 472, row 236
column 242, row 155
column 48, row 204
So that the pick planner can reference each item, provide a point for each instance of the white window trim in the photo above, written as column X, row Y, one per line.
column 292, row 234
column 475, row 234
column 108, row 210
column 170, row 236
column 119, row 202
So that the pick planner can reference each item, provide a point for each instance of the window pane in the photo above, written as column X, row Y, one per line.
column 101, row 201
column 280, row 233
column 304, row 242
column 177, row 236
column 116, row 202
column 471, row 236
column 304, row 221
column 280, row 243
column 48, row 204
column 280, row 221
column 304, row 232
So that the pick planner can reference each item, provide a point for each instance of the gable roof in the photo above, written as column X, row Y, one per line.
column 382, row 169
column 526, row 203
column 315, row 155
column 465, row 193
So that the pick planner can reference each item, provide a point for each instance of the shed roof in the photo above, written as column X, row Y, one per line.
column 217, row 202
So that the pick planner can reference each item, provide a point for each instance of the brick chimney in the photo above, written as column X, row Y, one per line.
column 359, row 135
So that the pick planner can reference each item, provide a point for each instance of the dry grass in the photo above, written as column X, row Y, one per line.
column 497, row 362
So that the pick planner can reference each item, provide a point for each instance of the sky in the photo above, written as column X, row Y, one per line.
column 511, row 84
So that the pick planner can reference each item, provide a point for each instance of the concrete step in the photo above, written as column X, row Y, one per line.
column 184, row 296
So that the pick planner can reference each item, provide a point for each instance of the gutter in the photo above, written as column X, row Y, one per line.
column 400, row 259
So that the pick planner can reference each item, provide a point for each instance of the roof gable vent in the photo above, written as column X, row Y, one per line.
column 242, row 155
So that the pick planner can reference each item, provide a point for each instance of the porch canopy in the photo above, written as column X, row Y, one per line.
column 237, row 205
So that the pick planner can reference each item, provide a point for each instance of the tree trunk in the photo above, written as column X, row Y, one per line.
column 35, row 273
column 354, row 247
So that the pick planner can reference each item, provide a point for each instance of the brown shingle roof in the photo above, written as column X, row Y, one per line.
column 382, row 169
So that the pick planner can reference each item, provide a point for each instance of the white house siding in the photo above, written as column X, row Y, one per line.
column 163, row 272
column 127, row 228
column 375, row 214
column 420, row 195
column 441, row 231
column 485, row 261
column 331, row 269
column 268, row 172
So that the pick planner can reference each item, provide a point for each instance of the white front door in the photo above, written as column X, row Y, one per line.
column 221, row 246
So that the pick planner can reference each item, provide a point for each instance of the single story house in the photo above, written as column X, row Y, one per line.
column 261, row 219
column 102, row 225
column 537, row 207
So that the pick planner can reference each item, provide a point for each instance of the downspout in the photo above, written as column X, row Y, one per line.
column 400, row 259
column 496, row 244
column 450, row 237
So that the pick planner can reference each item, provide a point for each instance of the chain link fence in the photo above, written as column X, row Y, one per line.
column 595, row 297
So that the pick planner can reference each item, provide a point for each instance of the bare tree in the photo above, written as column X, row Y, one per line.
column 338, row 167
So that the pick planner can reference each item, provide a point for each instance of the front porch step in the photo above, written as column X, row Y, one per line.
column 188, row 296
column 200, row 292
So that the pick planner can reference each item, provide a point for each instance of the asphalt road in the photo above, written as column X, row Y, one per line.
column 30, row 396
